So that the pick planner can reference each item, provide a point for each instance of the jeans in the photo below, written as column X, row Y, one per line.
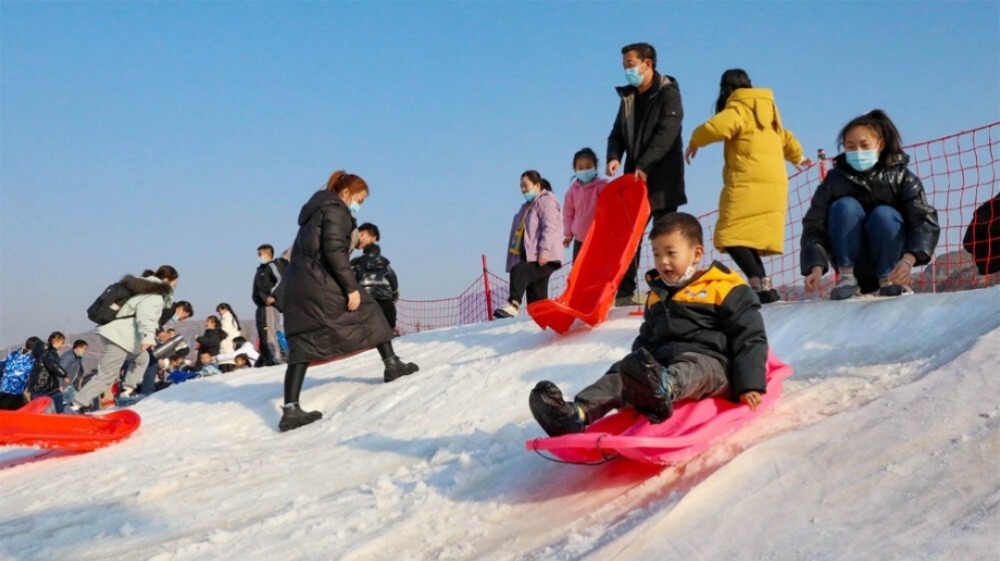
column 876, row 237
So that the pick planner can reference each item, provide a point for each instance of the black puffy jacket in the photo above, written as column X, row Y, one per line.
column 211, row 340
column 317, row 282
column 717, row 314
column 47, row 372
column 890, row 184
column 652, row 141
column 374, row 274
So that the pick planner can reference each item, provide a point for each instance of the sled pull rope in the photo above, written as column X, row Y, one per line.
column 605, row 457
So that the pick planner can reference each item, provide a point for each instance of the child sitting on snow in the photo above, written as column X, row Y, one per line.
column 702, row 335
column 209, row 364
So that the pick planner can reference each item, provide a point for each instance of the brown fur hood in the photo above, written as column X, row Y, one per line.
column 147, row 285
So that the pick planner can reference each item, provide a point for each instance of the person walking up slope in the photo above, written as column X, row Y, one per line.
column 327, row 314
column 754, row 198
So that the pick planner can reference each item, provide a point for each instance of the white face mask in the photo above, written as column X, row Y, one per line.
column 684, row 279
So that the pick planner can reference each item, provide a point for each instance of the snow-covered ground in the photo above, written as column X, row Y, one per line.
column 885, row 445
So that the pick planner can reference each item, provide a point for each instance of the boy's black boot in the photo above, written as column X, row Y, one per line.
column 396, row 368
column 646, row 386
column 293, row 417
column 556, row 415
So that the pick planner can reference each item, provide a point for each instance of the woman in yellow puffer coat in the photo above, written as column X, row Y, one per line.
column 754, row 197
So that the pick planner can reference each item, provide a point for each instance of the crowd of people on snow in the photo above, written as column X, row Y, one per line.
column 143, row 353
column 702, row 332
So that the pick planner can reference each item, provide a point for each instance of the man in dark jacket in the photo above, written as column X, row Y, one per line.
column 265, row 282
column 374, row 273
column 647, row 130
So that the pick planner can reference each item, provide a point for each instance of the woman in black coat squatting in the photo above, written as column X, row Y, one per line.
column 327, row 315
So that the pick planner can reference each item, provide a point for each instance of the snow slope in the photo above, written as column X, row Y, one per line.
column 886, row 445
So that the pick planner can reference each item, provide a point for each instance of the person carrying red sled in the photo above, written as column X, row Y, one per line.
column 702, row 335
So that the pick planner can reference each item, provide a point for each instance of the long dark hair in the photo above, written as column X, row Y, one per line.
column 732, row 80
column 228, row 308
column 165, row 273
column 880, row 123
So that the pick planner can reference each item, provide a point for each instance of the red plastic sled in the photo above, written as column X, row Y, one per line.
column 694, row 426
column 31, row 426
column 619, row 221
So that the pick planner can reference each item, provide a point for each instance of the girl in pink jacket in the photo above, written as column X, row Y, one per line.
column 581, row 199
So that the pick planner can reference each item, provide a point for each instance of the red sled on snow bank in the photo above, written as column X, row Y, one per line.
column 694, row 426
column 32, row 426
column 619, row 221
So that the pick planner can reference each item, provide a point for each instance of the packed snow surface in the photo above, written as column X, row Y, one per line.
column 885, row 445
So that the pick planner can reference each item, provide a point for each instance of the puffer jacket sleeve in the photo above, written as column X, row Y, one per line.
column 393, row 283
column 922, row 229
column 569, row 210
column 744, row 327
column 668, row 127
column 616, row 140
column 52, row 364
column 722, row 126
column 335, row 248
column 550, row 219
column 147, row 318
column 814, row 232
column 645, row 337
column 792, row 147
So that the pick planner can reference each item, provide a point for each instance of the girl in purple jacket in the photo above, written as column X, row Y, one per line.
column 581, row 199
column 535, row 250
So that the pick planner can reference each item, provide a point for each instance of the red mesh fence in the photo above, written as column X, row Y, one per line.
column 959, row 173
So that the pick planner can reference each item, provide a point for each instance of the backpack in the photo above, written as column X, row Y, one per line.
column 105, row 309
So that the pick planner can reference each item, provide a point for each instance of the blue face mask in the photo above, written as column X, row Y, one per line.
column 262, row 261
column 174, row 318
column 530, row 196
column 78, row 355
column 633, row 76
column 862, row 160
column 354, row 207
column 586, row 175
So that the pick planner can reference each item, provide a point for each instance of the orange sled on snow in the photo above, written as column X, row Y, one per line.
column 619, row 222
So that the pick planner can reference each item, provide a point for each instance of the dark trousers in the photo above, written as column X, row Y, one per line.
column 57, row 399
column 748, row 260
column 149, row 376
column 696, row 376
column 630, row 282
column 532, row 278
column 11, row 402
column 577, row 245
column 389, row 311
column 267, row 351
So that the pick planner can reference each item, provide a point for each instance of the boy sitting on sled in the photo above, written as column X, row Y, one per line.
column 702, row 335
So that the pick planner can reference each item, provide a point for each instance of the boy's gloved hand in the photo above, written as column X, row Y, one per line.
column 646, row 387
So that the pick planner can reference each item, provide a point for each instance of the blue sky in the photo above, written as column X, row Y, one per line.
column 134, row 134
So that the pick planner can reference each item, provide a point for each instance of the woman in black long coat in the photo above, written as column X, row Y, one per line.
column 327, row 315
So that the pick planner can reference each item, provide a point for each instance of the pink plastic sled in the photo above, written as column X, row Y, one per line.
column 694, row 426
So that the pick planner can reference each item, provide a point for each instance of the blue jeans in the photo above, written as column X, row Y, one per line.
column 877, row 237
